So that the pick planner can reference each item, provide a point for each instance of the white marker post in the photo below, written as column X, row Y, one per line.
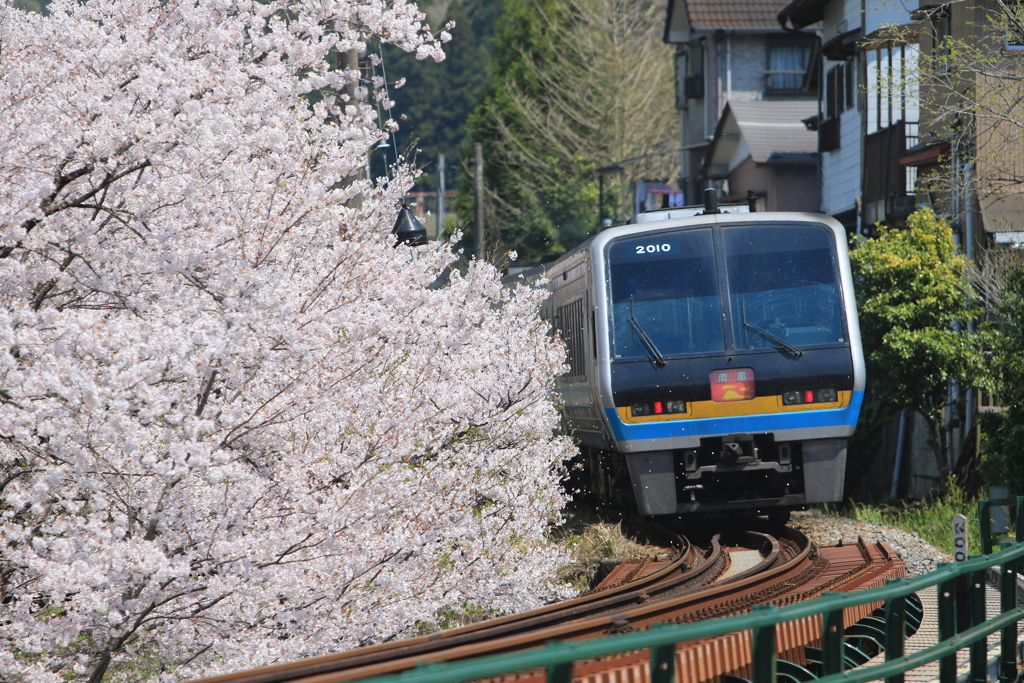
column 960, row 538
column 961, row 592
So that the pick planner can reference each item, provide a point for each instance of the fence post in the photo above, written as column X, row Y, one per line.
column 560, row 673
column 1008, row 602
column 1020, row 519
column 978, row 647
column 763, row 649
column 985, row 525
column 895, row 630
column 832, row 641
column 663, row 662
column 947, row 625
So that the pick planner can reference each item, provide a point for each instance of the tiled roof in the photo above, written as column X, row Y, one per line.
column 734, row 15
column 774, row 129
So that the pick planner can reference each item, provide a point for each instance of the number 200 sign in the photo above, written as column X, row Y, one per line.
column 959, row 538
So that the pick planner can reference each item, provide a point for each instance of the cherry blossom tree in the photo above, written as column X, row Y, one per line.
column 238, row 425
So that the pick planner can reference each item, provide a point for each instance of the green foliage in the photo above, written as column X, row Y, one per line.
column 453, row 617
column 1003, row 432
column 930, row 519
column 912, row 287
column 33, row 5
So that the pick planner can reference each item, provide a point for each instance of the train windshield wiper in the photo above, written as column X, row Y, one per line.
column 778, row 341
column 659, row 359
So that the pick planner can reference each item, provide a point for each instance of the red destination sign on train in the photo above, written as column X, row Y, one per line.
column 736, row 384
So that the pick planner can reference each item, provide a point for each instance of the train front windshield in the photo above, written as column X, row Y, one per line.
column 781, row 284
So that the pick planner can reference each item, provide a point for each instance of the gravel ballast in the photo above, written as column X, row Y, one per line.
column 919, row 556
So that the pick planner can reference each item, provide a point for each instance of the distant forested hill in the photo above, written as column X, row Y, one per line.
column 438, row 98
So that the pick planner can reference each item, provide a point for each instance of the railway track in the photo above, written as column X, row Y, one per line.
column 725, row 577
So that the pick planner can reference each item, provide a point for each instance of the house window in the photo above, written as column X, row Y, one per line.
column 940, row 51
column 681, row 75
column 787, row 64
column 840, row 88
column 1014, row 26
column 840, row 94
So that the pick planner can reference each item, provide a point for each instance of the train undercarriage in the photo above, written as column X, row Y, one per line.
column 741, row 475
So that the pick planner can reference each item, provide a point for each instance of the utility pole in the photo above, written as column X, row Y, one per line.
column 350, row 61
column 440, row 195
column 478, row 194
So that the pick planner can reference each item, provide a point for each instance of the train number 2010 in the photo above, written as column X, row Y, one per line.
column 642, row 249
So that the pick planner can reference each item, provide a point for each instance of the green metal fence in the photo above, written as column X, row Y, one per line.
column 961, row 618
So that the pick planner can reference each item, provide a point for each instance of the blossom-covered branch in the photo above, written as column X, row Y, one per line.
column 237, row 425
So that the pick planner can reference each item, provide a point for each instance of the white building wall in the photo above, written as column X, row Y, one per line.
column 851, row 17
column 900, row 87
column 840, row 169
column 839, row 16
column 740, row 155
column 742, row 60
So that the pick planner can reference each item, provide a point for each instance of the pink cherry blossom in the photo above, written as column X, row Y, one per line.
column 237, row 425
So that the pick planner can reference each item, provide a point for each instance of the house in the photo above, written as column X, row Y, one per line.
column 868, row 107
column 728, row 52
column 981, row 156
column 762, row 149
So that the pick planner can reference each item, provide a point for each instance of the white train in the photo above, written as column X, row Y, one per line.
column 715, row 361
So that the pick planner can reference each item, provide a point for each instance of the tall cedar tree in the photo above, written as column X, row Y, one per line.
column 575, row 85
column 532, row 223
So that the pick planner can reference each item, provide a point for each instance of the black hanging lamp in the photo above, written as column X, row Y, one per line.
column 408, row 229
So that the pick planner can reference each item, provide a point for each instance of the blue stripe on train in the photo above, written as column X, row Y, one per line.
column 743, row 424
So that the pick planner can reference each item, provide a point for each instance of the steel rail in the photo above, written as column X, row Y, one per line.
column 661, row 603
column 689, row 569
column 790, row 569
column 720, row 654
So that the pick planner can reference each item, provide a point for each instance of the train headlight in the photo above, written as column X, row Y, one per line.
column 675, row 406
column 646, row 408
column 797, row 398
